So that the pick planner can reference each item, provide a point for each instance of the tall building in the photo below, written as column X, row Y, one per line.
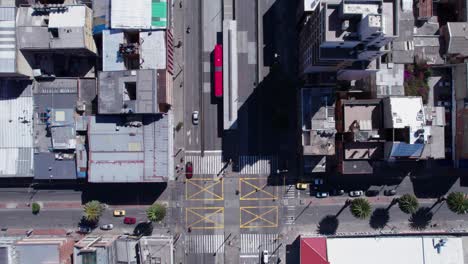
column 346, row 36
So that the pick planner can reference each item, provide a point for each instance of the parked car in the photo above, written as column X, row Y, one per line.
column 356, row 193
column 188, row 170
column 119, row 212
column 265, row 256
column 107, row 227
column 321, row 194
column 84, row 229
column 302, row 186
column 390, row 192
column 371, row 193
column 318, row 181
column 337, row 192
column 129, row 220
column 195, row 117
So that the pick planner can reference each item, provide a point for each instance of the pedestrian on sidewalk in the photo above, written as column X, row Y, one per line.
column 188, row 30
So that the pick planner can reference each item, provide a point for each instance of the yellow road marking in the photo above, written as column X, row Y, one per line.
column 204, row 218
column 256, row 188
column 260, row 216
column 204, row 189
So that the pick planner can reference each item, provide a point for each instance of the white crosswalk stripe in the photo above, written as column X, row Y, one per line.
column 255, row 243
column 258, row 164
column 290, row 192
column 208, row 164
column 204, row 243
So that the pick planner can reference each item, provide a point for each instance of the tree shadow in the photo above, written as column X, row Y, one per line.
column 379, row 218
column 421, row 218
column 143, row 229
column 86, row 223
column 328, row 225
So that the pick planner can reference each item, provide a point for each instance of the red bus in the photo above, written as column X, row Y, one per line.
column 218, row 70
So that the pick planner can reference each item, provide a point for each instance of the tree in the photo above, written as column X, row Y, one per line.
column 408, row 203
column 361, row 208
column 156, row 212
column 93, row 211
column 457, row 202
column 35, row 208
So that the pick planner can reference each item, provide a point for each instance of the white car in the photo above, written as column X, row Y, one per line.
column 318, row 181
column 265, row 256
column 107, row 227
column 356, row 193
column 321, row 194
column 195, row 117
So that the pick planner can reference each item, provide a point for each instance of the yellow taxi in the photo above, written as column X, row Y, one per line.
column 119, row 212
column 302, row 186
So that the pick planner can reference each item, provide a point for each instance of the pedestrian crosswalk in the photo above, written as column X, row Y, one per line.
column 204, row 243
column 290, row 192
column 258, row 164
column 255, row 243
column 290, row 215
column 208, row 164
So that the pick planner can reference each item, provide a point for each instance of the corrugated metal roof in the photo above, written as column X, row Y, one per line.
column 16, row 130
column 136, row 14
column 38, row 253
column 7, row 40
column 153, row 49
column 121, row 153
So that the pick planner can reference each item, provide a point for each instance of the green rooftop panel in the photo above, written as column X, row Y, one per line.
column 159, row 13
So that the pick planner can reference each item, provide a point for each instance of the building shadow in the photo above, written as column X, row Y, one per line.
column 123, row 194
column 265, row 127
column 293, row 251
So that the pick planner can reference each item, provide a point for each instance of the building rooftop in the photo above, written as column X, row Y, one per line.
column 144, row 14
column 410, row 250
column 458, row 38
column 156, row 249
column 364, row 115
column 57, row 28
column 424, row 9
column 134, row 91
column 54, row 166
column 313, row 250
column 318, row 121
column 150, row 46
column 16, row 129
column 129, row 148
column 401, row 112
column 53, row 250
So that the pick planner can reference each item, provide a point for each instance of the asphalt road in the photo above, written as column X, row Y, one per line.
column 24, row 195
column 192, row 76
column 64, row 218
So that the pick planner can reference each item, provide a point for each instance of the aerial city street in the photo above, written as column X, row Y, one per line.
column 233, row 131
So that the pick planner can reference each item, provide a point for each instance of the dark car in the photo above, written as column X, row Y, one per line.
column 390, row 192
column 129, row 220
column 84, row 229
column 337, row 192
column 372, row 193
column 188, row 170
